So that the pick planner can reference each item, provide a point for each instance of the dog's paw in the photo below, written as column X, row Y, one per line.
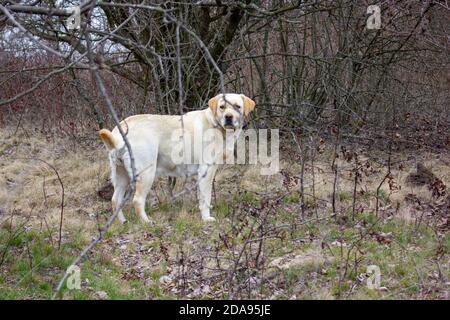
column 209, row 219
column 122, row 221
column 146, row 221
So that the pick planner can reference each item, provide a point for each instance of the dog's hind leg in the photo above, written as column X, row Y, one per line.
column 120, row 181
column 143, row 186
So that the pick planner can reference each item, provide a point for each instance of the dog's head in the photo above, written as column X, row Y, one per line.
column 229, row 109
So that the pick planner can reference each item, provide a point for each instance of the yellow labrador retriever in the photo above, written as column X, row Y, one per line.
column 155, row 144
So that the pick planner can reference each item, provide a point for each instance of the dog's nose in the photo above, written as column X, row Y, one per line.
column 229, row 119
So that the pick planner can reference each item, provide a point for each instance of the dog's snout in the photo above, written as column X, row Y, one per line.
column 228, row 119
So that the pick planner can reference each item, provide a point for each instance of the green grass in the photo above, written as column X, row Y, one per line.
column 293, row 197
column 345, row 196
column 247, row 197
column 382, row 195
column 33, row 264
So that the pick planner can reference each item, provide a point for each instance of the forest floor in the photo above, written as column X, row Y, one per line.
column 263, row 244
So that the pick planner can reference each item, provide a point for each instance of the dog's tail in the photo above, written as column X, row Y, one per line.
column 108, row 139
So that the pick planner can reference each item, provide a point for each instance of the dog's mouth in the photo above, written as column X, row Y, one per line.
column 229, row 126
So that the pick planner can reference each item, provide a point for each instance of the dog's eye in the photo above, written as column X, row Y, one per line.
column 222, row 107
column 237, row 107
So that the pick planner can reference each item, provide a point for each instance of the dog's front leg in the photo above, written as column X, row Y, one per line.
column 205, row 179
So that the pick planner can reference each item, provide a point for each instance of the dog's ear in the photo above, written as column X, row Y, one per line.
column 249, row 104
column 212, row 103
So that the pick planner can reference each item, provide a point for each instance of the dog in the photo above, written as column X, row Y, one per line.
column 155, row 142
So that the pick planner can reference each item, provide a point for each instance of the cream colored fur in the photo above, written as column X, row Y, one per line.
column 152, row 144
